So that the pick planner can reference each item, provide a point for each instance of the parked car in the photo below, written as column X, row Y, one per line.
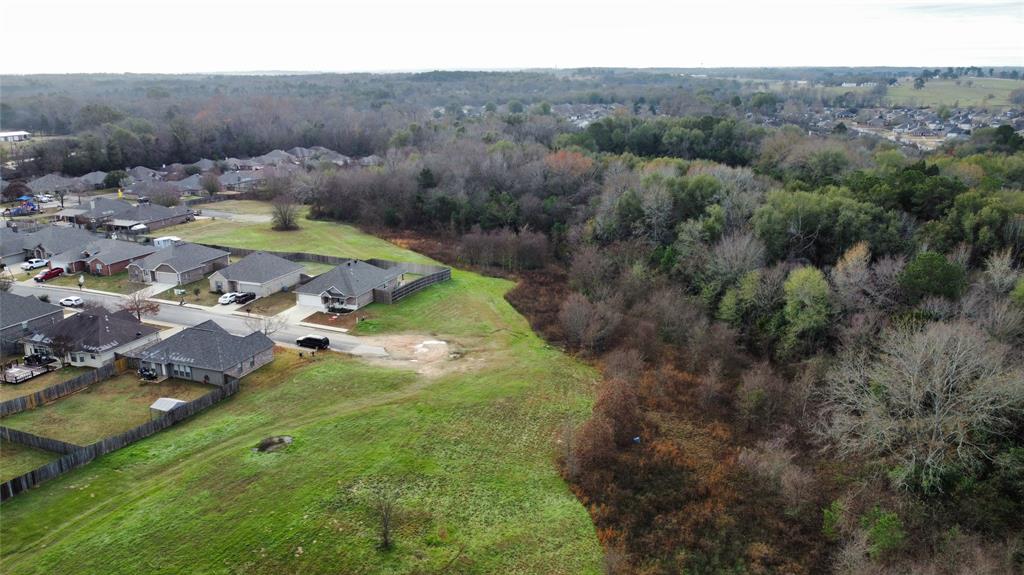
column 49, row 274
column 313, row 341
column 46, row 198
column 71, row 301
column 34, row 263
column 245, row 297
column 227, row 298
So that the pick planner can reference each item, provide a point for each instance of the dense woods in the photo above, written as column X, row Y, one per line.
column 811, row 346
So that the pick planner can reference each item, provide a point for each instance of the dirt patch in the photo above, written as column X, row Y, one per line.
column 427, row 355
column 274, row 443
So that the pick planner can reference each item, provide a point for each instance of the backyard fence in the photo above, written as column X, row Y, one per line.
column 81, row 455
column 56, row 391
column 37, row 441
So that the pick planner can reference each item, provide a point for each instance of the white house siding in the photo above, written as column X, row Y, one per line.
column 86, row 359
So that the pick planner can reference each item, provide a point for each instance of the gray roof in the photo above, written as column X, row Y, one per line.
column 205, row 164
column 56, row 239
column 236, row 178
column 53, row 182
column 93, row 178
column 11, row 242
column 258, row 268
column 15, row 309
column 107, row 251
column 95, row 332
column 104, row 208
column 181, row 257
column 206, row 346
column 352, row 278
column 192, row 183
column 143, row 173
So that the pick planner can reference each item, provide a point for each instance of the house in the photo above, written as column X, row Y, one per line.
column 205, row 165
column 124, row 216
column 261, row 273
column 51, row 240
column 12, row 251
column 178, row 264
column 189, row 185
column 20, row 316
column 16, row 136
column 93, row 180
column 241, row 181
column 207, row 353
column 91, row 338
column 347, row 287
column 142, row 174
column 101, row 256
column 54, row 183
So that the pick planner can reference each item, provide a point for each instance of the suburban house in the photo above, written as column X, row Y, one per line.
column 93, row 180
column 207, row 353
column 347, row 287
column 11, row 250
column 50, row 240
column 178, row 264
column 261, row 273
column 21, row 316
column 241, row 181
column 103, row 257
column 91, row 338
column 124, row 216
column 189, row 185
column 15, row 136
column 53, row 183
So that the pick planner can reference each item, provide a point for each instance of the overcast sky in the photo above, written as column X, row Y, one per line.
column 49, row 36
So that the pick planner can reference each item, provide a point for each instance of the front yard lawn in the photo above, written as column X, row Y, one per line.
column 272, row 304
column 117, row 283
column 107, row 408
column 205, row 297
column 10, row 391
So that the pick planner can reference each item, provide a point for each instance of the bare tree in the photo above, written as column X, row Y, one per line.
column 851, row 276
column 61, row 346
column 285, row 214
column 267, row 324
column 384, row 499
column 928, row 400
column 138, row 305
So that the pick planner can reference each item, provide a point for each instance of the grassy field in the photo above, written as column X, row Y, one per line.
column 107, row 408
column 312, row 237
column 41, row 382
column 471, row 451
column 16, row 459
column 238, row 207
column 994, row 92
column 205, row 297
column 117, row 283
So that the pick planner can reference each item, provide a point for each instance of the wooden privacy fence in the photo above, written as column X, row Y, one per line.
column 79, row 456
column 37, row 441
column 56, row 391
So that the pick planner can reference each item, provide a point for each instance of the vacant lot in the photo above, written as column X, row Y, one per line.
column 8, row 391
column 16, row 459
column 101, row 410
column 117, row 283
column 272, row 304
column 472, row 451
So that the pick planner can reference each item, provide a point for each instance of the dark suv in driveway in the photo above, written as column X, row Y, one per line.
column 313, row 341
column 245, row 297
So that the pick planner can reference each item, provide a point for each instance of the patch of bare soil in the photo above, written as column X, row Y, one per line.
column 425, row 354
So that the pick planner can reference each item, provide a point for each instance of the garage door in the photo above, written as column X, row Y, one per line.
column 167, row 277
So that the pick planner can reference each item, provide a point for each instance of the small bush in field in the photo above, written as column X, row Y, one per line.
column 831, row 517
column 885, row 532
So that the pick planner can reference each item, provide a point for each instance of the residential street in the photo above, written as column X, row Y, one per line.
column 187, row 316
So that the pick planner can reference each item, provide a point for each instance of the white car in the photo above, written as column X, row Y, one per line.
column 46, row 198
column 34, row 263
column 72, row 301
column 227, row 298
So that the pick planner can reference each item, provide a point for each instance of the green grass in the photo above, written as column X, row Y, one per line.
column 320, row 237
column 205, row 297
column 947, row 93
column 10, row 391
column 472, row 450
column 101, row 410
column 16, row 459
column 117, row 283
column 238, row 207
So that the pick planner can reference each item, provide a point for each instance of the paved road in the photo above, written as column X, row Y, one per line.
column 188, row 316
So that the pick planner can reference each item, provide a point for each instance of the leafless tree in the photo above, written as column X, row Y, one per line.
column 927, row 400
column 285, row 214
column 735, row 255
column 384, row 500
column 1000, row 272
column 210, row 183
column 851, row 276
column 138, row 305
column 266, row 324
column 61, row 346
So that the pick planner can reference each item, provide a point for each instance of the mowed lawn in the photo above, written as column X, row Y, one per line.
column 17, row 459
column 317, row 237
column 947, row 93
column 471, row 452
column 40, row 382
column 117, row 283
column 205, row 297
column 106, row 408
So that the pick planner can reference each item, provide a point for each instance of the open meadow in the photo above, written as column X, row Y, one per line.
column 469, row 450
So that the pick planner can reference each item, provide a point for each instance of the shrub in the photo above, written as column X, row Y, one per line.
column 884, row 530
column 832, row 516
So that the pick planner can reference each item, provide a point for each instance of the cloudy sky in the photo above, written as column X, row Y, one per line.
column 52, row 36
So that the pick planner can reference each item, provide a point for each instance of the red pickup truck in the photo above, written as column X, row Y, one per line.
column 49, row 274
